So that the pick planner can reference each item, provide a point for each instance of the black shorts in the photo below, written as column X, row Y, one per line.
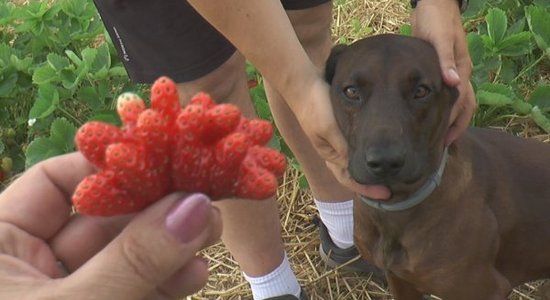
column 168, row 37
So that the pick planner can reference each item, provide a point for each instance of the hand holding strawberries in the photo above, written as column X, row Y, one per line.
column 38, row 230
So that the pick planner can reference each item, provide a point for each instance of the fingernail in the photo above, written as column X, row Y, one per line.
column 188, row 219
column 452, row 73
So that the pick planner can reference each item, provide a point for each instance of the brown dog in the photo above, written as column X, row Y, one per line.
column 468, row 222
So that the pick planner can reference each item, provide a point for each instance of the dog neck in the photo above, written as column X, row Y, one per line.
column 418, row 196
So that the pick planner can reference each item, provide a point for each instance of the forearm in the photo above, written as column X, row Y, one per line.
column 262, row 32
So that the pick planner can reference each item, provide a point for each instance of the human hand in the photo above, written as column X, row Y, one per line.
column 316, row 117
column 152, row 258
column 439, row 22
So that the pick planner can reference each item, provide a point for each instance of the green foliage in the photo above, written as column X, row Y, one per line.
column 508, row 44
column 57, row 70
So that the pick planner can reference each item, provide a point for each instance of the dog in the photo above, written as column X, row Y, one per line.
column 464, row 222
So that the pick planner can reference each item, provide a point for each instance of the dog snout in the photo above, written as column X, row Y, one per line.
column 384, row 162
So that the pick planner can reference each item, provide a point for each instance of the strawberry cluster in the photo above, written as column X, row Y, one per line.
column 202, row 147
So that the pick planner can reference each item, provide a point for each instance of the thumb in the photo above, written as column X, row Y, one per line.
column 154, row 246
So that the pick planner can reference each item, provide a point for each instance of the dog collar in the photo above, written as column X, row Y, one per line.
column 417, row 197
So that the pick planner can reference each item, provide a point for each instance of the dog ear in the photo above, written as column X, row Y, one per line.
column 330, row 65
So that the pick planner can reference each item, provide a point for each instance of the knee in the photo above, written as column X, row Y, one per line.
column 312, row 26
column 223, row 83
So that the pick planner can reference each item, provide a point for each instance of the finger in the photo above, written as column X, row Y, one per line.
column 155, row 245
column 446, row 52
column 333, row 147
column 188, row 280
column 83, row 237
column 43, row 193
column 463, row 112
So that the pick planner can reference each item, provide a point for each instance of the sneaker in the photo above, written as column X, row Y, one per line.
column 303, row 296
column 347, row 259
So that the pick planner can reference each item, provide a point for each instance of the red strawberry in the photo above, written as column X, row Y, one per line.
column 255, row 182
column 220, row 121
column 156, row 135
column 202, row 147
column 190, row 122
column 98, row 195
column 268, row 158
column 165, row 98
column 203, row 99
column 129, row 106
column 229, row 154
column 260, row 131
column 135, row 173
column 93, row 138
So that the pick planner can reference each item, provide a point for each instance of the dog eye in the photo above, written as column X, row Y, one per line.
column 352, row 93
column 422, row 91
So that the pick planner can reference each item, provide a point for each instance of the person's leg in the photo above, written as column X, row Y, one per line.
column 172, row 40
column 332, row 199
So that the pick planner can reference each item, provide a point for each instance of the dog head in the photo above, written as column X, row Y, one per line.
column 393, row 108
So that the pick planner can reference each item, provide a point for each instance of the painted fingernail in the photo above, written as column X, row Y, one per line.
column 188, row 219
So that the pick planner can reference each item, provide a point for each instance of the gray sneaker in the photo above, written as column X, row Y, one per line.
column 303, row 296
column 347, row 259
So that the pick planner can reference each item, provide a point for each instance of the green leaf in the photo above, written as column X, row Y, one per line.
column 102, row 59
column 44, row 74
column 540, row 119
column 88, row 56
column 7, row 84
column 46, row 102
column 476, row 47
column 57, row 62
column 497, row 24
column 90, row 96
column 516, row 44
column 495, row 95
column 541, row 97
column 405, row 29
column 539, row 23
column 106, row 116
column 2, row 147
column 522, row 107
column 62, row 134
column 21, row 65
column 73, row 57
column 118, row 72
column 39, row 150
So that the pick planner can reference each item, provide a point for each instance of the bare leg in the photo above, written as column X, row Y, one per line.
column 251, row 229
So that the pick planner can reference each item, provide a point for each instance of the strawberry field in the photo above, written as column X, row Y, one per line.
column 58, row 70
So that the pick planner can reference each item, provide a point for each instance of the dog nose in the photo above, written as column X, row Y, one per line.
column 385, row 161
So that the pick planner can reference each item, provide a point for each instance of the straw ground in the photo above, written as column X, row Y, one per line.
column 352, row 20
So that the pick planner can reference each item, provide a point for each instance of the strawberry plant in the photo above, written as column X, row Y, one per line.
column 507, row 49
column 56, row 71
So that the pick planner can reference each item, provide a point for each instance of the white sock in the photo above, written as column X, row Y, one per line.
column 338, row 218
column 280, row 281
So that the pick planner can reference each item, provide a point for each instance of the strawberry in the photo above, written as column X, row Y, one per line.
column 203, row 99
column 129, row 106
column 255, row 181
column 165, row 98
column 202, row 147
column 93, row 138
column 260, row 131
column 220, row 120
column 98, row 195
column 135, row 173
column 268, row 158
